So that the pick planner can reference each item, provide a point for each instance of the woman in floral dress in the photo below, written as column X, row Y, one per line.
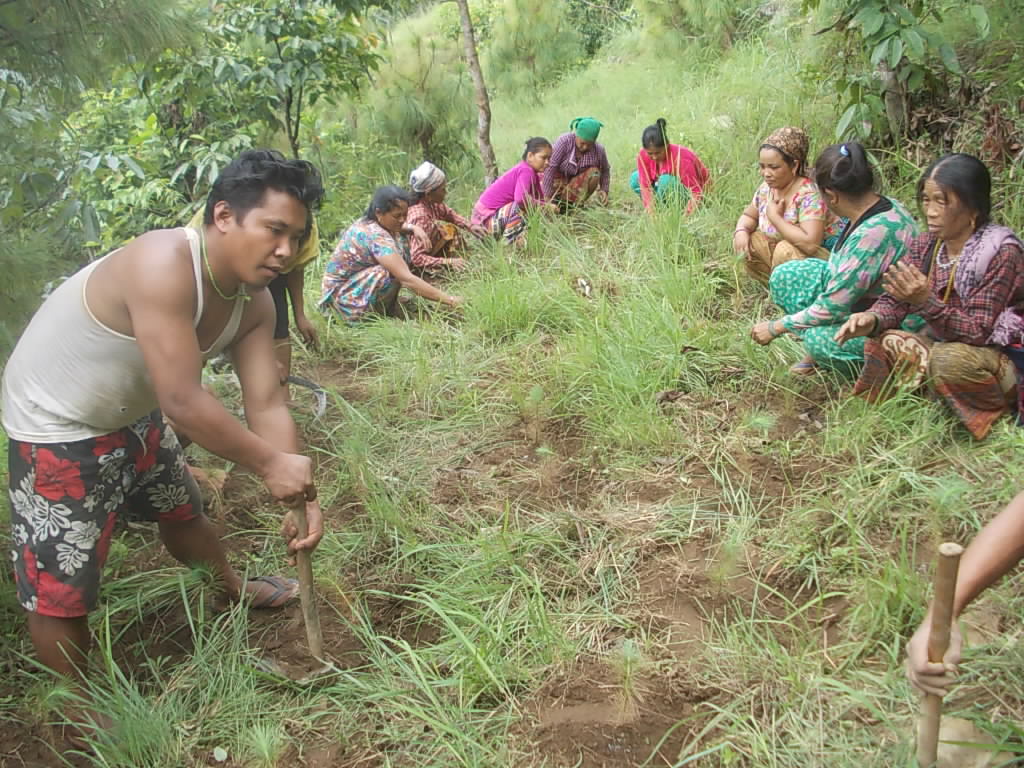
column 371, row 262
column 788, row 218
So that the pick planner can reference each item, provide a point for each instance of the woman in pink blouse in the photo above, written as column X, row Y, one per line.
column 501, row 209
column 667, row 171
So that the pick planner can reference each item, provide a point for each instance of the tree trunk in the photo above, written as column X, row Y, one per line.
column 895, row 99
column 293, row 118
column 483, row 103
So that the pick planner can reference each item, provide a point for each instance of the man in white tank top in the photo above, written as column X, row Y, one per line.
column 117, row 344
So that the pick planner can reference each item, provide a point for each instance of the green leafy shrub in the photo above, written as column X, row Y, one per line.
column 894, row 57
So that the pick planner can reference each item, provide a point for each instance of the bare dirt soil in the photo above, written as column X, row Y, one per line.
column 587, row 715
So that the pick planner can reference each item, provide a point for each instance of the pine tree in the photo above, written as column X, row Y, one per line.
column 423, row 98
column 535, row 43
column 70, row 43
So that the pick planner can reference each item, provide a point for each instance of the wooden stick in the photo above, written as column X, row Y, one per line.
column 938, row 641
column 307, row 593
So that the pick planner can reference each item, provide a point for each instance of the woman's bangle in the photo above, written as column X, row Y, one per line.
column 772, row 326
column 742, row 229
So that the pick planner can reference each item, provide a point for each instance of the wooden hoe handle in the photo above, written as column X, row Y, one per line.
column 938, row 642
column 307, row 594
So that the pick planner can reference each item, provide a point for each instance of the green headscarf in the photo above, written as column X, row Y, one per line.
column 587, row 128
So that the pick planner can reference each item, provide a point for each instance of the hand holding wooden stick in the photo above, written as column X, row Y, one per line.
column 938, row 642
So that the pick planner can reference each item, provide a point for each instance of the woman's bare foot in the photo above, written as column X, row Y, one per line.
column 805, row 367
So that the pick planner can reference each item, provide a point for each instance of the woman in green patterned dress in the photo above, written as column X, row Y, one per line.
column 817, row 296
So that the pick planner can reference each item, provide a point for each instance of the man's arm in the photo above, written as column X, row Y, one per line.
column 266, row 411
column 160, row 298
column 262, row 395
column 990, row 556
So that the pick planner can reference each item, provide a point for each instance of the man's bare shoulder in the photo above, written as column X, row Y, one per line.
column 258, row 311
column 153, row 272
column 156, row 249
column 161, row 258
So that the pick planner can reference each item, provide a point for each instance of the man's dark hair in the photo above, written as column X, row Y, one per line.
column 243, row 182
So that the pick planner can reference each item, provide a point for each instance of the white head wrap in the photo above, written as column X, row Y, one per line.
column 426, row 178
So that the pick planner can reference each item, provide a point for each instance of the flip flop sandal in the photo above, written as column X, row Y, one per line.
column 803, row 368
column 285, row 590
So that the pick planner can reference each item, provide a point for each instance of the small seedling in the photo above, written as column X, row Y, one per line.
column 628, row 661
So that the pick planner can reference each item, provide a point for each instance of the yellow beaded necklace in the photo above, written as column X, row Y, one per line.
column 241, row 294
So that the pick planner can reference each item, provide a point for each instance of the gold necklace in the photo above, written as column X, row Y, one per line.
column 952, row 261
column 241, row 294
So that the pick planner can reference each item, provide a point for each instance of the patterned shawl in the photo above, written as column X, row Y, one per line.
column 979, row 250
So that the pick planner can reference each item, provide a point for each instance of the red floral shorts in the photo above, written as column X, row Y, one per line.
column 66, row 497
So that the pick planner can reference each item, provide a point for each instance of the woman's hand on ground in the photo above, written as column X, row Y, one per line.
column 314, row 529
column 602, row 197
column 933, row 677
column 456, row 264
column 905, row 282
column 306, row 330
column 479, row 231
column 454, row 301
column 741, row 241
column 857, row 324
column 764, row 333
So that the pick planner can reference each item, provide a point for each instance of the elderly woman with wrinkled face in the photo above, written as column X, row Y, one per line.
column 950, row 319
